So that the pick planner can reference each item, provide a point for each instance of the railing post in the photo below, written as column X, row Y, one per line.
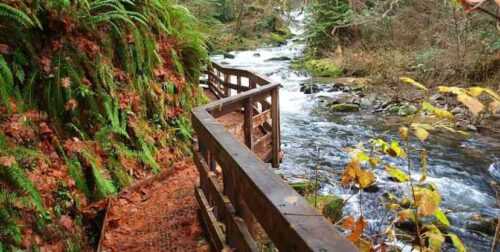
column 226, row 84
column 248, row 123
column 238, row 83
column 275, row 114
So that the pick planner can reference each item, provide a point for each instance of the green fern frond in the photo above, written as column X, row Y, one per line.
column 16, row 176
column 15, row 15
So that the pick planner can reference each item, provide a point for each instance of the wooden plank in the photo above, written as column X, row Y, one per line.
column 248, row 123
column 262, row 117
column 263, row 142
column 230, row 104
column 237, row 234
column 275, row 112
column 287, row 218
column 211, row 224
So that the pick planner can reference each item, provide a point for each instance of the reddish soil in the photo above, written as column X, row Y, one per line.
column 159, row 214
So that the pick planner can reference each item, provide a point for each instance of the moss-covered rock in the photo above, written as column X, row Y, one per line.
column 323, row 68
column 344, row 107
column 278, row 38
column 330, row 206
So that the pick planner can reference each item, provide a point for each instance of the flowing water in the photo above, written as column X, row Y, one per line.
column 314, row 141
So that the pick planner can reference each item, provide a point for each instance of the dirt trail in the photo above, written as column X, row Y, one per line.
column 158, row 215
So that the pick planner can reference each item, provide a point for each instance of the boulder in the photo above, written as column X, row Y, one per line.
column 402, row 109
column 344, row 107
column 281, row 58
column 485, row 225
column 323, row 68
column 256, row 54
column 309, row 88
column 229, row 56
column 494, row 170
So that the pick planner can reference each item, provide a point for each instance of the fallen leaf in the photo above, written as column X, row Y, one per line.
column 357, row 230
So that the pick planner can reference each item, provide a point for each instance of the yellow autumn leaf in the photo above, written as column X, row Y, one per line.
column 453, row 90
column 365, row 178
column 475, row 91
column 473, row 104
column 421, row 133
column 413, row 82
column 427, row 201
column 350, row 172
column 403, row 133
column 407, row 215
column 439, row 112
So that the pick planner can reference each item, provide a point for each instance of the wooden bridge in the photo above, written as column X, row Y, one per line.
column 244, row 205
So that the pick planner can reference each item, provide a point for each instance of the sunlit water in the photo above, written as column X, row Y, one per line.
column 458, row 167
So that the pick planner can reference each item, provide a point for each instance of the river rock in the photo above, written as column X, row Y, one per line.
column 308, row 88
column 229, row 56
column 256, row 54
column 352, row 81
column 281, row 58
column 401, row 109
column 485, row 225
column 494, row 170
column 344, row 107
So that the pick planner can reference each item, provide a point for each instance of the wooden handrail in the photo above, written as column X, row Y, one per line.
column 245, row 195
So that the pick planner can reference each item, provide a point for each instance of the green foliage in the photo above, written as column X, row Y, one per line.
column 323, row 17
column 16, row 176
column 15, row 15
column 8, row 215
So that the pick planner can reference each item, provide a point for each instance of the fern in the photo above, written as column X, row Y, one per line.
column 6, row 82
column 18, row 178
column 146, row 155
column 8, row 216
column 103, row 186
column 15, row 15
column 76, row 172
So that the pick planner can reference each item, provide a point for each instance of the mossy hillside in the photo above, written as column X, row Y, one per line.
column 93, row 95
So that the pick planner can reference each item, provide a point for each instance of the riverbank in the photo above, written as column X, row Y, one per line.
column 315, row 143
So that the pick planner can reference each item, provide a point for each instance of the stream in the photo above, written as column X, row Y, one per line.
column 310, row 141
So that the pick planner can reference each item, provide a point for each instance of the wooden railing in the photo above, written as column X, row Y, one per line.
column 243, row 203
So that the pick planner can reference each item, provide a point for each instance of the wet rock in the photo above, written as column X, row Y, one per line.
column 344, row 98
column 368, row 101
column 401, row 109
column 372, row 189
column 281, row 58
column 229, row 56
column 494, row 170
column 485, row 225
column 224, row 63
column 344, row 107
column 309, row 88
column 256, row 54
